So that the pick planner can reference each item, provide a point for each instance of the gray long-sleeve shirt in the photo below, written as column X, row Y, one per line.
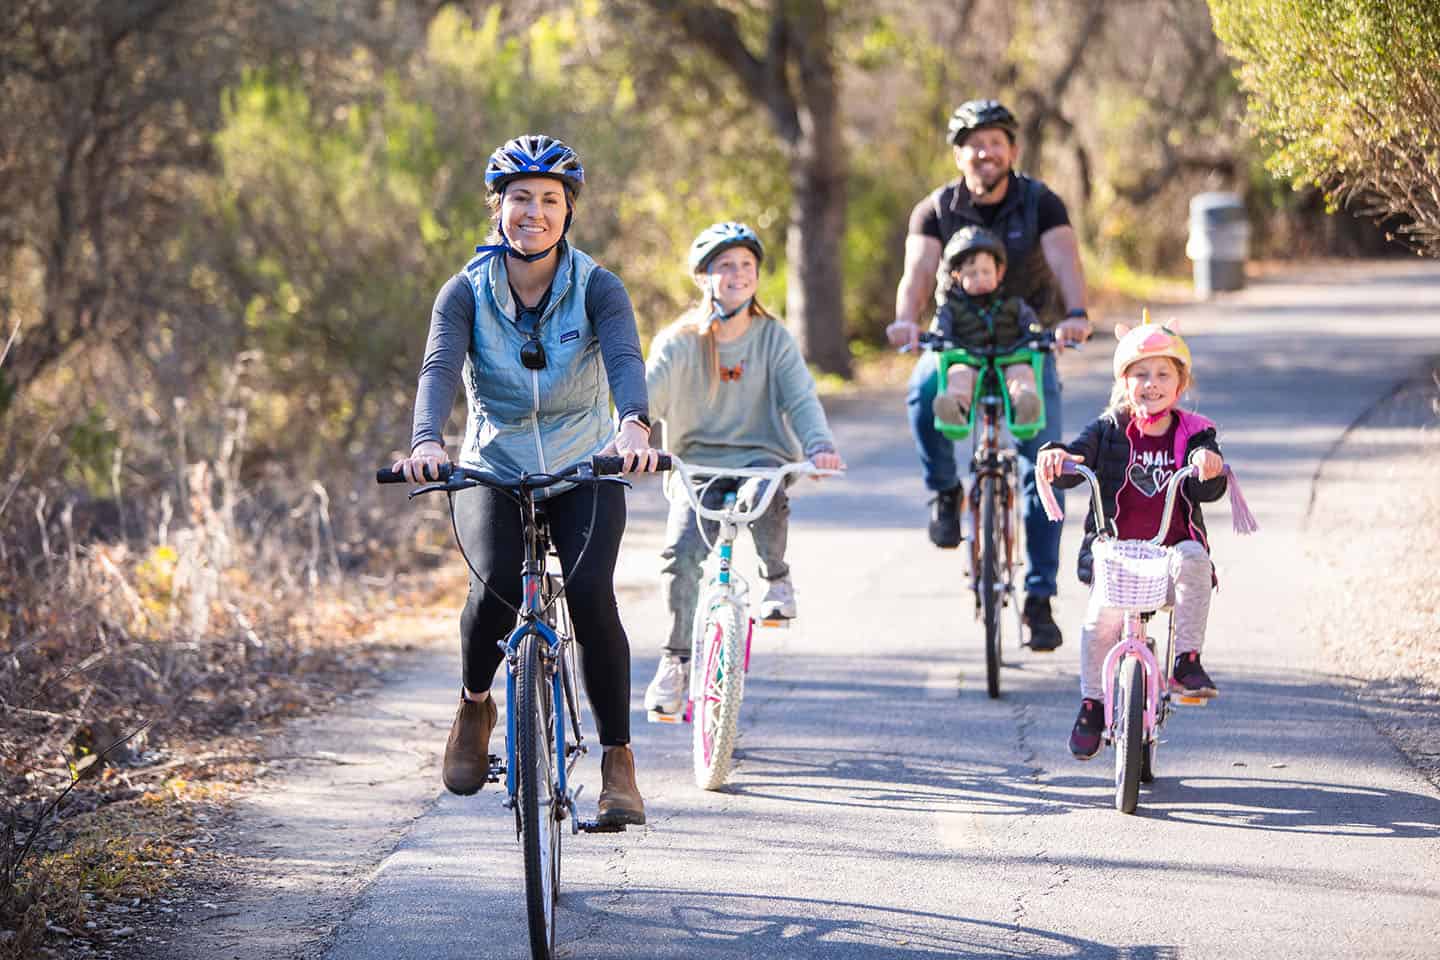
column 606, row 303
column 764, row 406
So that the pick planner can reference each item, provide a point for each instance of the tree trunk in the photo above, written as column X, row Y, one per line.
column 814, row 299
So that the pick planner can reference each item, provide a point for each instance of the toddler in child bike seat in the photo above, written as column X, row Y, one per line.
column 729, row 382
column 975, row 313
column 1134, row 447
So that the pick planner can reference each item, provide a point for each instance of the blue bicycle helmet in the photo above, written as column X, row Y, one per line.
column 719, row 237
column 975, row 115
column 534, row 155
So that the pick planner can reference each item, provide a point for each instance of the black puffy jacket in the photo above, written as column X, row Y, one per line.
column 1105, row 445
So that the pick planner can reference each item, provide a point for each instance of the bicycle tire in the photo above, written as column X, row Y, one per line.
column 536, row 798
column 990, row 580
column 716, row 724
column 1129, row 733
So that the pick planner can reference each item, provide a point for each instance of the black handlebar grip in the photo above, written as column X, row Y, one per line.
column 609, row 466
column 387, row 475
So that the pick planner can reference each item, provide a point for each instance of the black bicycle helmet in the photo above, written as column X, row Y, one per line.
column 534, row 155
column 719, row 237
column 968, row 240
column 975, row 115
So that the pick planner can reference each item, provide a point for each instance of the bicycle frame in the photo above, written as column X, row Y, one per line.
column 695, row 479
column 532, row 612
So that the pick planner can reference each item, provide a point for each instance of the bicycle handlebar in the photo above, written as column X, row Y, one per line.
column 454, row 476
column 690, row 473
column 1097, row 505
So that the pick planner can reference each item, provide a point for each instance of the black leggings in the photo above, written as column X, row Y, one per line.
column 490, row 529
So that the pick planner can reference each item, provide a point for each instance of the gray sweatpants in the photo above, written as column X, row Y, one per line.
column 685, row 551
column 1190, row 584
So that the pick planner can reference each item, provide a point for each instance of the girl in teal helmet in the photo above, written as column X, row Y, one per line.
column 729, row 382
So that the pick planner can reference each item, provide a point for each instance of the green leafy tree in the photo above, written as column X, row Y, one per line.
column 1348, row 94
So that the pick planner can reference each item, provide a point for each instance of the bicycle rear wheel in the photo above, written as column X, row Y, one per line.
column 716, row 724
column 990, row 601
column 1129, row 733
column 537, row 801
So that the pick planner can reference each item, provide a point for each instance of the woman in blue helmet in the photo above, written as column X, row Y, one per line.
column 542, row 338
column 729, row 382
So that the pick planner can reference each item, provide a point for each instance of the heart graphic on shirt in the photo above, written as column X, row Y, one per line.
column 1148, row 480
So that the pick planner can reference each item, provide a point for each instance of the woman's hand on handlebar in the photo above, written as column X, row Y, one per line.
column 827, row 460
column 1050, row 460
column 424, row 463
column 632, row 441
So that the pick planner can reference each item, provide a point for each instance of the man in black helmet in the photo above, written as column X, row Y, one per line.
column 1044, row 269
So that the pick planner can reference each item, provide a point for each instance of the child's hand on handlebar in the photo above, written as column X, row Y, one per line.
column 828, row 460
column 632, row 441
column 1207, row 464
column 1049, row 462
column 424, row 463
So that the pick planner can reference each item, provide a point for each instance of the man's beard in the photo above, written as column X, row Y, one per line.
column 986, row 184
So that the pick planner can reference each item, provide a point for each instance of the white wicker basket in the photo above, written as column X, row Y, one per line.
column 1133, row 574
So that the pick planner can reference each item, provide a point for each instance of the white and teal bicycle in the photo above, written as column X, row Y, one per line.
column 724, row 626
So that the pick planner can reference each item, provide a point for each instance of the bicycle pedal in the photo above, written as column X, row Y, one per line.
column 777, row 623
column 497, row 769
column 655, row 716
column 1192, row 701
column 595, row 826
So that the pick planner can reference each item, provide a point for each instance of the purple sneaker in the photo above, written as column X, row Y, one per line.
column 1190, row 679
column 1085, row 735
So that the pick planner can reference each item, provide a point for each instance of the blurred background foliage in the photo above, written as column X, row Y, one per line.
column 225, row 220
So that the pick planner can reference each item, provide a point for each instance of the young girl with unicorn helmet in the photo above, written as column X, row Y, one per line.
column 1134, row 447
column 729, row 382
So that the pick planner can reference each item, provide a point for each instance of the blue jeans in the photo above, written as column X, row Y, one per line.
column 937, row 457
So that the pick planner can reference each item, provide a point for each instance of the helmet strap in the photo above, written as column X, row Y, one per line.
column 717, row 313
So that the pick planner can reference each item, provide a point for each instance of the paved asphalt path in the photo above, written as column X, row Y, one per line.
column 884, row 807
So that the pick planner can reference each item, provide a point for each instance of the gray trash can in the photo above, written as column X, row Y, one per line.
column 1219, row 242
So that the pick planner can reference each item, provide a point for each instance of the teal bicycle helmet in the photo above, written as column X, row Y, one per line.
column 719, row 237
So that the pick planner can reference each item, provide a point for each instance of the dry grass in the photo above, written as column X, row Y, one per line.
column 1372, row 531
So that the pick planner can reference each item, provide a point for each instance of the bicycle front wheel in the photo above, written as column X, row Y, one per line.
column 716, row 723
column 990, row 579
column 1129, row 733
column 537, row 799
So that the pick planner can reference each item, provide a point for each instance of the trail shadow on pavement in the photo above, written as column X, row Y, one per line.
column 699, row 924
column 1234, row 762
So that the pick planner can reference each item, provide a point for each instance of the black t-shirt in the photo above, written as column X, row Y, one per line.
column 925, row 220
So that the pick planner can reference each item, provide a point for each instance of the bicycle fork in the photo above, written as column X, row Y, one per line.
column 1135, row 643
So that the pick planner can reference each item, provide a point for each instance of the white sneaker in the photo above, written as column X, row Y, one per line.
column 666, row 693
column 779, row 601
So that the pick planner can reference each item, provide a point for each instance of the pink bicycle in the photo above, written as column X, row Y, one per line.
column 1133, row 576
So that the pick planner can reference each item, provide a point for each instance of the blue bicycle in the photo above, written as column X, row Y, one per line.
column 543, row 738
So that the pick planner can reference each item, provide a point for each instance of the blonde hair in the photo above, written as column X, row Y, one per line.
column 1120, row 396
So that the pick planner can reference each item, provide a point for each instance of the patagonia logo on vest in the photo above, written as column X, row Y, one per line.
column 569, row 335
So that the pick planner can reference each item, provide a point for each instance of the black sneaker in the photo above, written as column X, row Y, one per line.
column 1190, row 679
column 945, row 518
column 1085, row 735
column 1044, row 634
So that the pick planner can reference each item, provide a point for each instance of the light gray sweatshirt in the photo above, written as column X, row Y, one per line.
column 764, row 406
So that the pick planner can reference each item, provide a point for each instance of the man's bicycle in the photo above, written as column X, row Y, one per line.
column 994, row 501
column 1133, row 576
column 723, row 628
column 543, row 737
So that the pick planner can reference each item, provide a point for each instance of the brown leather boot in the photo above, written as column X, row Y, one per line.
column 467, row 752
column 619, row 796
